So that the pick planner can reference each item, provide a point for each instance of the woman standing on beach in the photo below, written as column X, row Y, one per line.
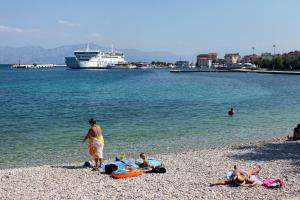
column 95, row 143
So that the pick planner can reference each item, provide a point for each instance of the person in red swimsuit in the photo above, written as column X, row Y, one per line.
column 231, row 112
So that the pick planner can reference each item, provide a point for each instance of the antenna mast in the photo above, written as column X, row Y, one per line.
column 88, row 46
column 112, row 48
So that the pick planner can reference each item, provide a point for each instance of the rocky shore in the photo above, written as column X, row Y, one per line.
column 188, row 176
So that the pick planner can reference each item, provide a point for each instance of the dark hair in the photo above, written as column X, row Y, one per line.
column 141, row 154
column 298, row 126
column 92, row 121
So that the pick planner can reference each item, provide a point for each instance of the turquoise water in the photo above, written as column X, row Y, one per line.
column 44, row 112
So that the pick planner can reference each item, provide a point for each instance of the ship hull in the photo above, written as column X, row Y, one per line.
column 72, row 63
column 107, row 67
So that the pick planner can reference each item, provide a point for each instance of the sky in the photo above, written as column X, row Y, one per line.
column 183, row 27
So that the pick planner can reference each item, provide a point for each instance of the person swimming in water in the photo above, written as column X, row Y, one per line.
column 231, row 112
column 95, row 143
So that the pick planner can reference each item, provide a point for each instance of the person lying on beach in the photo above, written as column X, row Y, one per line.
column 296, row 134
column 145, row 164
column 95, row 143
column 241, row 177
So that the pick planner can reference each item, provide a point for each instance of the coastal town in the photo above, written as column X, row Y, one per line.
column 285, row 61
column 205, row 61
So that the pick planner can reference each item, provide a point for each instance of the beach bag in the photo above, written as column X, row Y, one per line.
column 273, row 183
column 159, row 169
column 110, row 168
column 87, row 164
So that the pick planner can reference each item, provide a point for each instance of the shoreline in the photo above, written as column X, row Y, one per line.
column 168, row 151
column 188, row 176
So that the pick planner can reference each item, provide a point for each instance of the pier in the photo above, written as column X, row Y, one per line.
column 235, row 71
column 268, row 71
column 37, row 65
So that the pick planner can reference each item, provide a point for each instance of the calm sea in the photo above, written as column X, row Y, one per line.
column 44, row 113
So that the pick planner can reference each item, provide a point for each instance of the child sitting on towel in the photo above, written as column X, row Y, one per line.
column 145, row 164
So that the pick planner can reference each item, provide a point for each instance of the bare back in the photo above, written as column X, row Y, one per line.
column 95, row 131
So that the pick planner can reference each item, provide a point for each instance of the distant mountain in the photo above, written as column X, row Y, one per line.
column 36, row 54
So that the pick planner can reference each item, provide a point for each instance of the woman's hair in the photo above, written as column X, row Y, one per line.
column 142, row 154
column 298, row 126
column 92, row 121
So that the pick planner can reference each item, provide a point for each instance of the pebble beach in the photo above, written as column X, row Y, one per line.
column 188, row 176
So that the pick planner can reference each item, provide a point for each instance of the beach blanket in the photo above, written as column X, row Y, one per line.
column 128, row 167
column 119, row 165
column 155, row 163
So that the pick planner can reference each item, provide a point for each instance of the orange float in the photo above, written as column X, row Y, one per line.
column 129, row 172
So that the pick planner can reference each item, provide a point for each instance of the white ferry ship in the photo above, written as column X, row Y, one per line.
column 95, row 59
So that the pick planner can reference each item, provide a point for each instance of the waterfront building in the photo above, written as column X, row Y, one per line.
column 292, row 54
column 266, row 56
column 250, row 58
column 203, row 60
column 232, row 58
column 213, row 56
column 206, row 60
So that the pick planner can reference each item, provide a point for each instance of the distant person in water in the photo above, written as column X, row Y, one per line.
column 95, row 143
column 240, row 177
column 231, row 112
column 296, row 134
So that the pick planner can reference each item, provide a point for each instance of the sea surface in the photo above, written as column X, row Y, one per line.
column 44, row 113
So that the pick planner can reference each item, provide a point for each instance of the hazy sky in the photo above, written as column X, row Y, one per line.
column 178, row 26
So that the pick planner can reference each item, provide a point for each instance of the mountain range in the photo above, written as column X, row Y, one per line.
column 36, row 54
